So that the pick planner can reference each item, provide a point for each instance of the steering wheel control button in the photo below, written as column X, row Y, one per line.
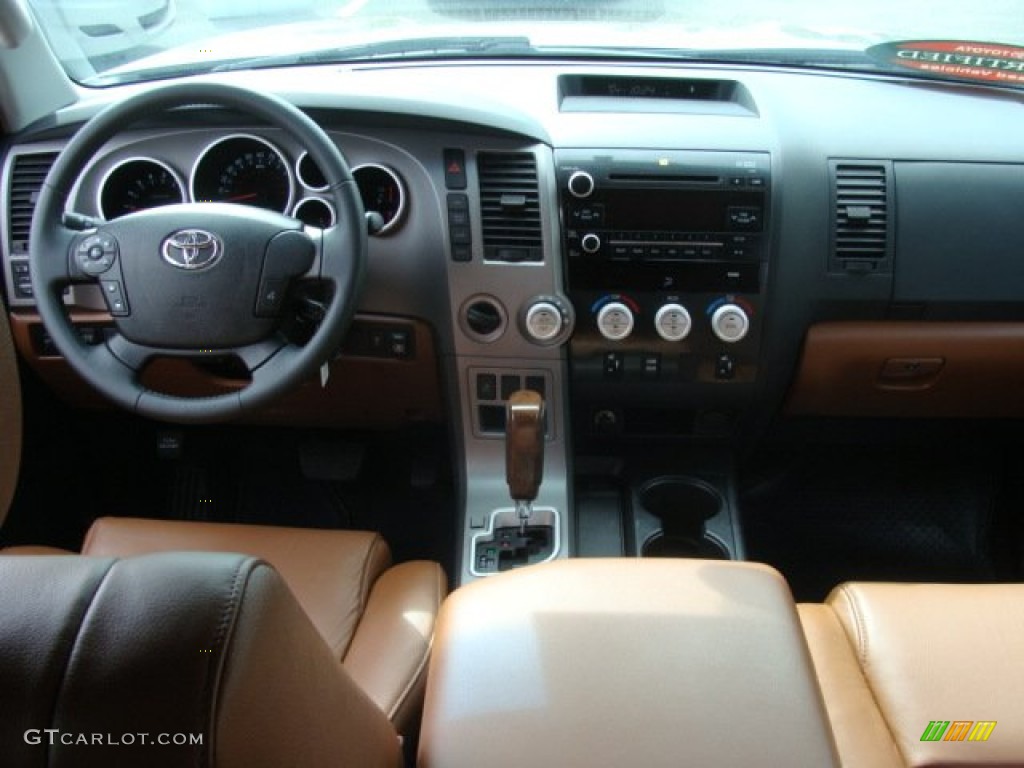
column 615, row 321
column 730, row 323
column 673, row 322
column 271, row 296
column 96, row 254
column 113, row 294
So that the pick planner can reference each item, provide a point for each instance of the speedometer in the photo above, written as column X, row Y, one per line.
column 243, row 169
column 136, row 184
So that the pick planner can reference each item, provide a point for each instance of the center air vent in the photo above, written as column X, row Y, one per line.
column 27, row 175
column 510, row 206
column 862, row 235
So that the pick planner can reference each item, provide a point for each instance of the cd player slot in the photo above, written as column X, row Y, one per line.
column 662, row 178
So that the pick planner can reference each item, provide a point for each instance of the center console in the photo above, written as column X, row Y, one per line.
column 666, row 255
column 623, row 662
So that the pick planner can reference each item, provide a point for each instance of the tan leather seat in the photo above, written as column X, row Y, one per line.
column 377, row 619
column 173, row 659
column 891, row 659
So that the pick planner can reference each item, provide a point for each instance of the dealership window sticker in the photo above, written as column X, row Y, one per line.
column 994, row 63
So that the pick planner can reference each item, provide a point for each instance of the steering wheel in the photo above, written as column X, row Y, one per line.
column 196, row 279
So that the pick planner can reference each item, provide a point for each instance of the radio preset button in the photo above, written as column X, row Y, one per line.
column 581, row 184
column 615, row 321
column 672, row 322
column 730, row 323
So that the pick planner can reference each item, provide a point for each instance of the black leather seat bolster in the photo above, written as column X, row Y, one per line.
column 102, row 659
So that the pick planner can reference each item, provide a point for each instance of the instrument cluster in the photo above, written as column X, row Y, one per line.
column 248, row 169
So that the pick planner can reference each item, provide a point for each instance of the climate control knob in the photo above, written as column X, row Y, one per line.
column 543, row 321
column 730, row 323
column 615, row 321
column 590, row 243
column 581, row 184
column 672, row 322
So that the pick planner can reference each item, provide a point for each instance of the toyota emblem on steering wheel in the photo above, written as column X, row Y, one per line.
column 192, row 249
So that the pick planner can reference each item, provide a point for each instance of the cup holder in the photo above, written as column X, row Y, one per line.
column 706, row 548
column 683, row 505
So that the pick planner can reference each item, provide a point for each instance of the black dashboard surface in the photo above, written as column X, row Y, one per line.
column 942, row 218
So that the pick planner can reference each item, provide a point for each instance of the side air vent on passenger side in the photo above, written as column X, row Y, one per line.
column 510, row 207
column 27, row 175
column 862, row 232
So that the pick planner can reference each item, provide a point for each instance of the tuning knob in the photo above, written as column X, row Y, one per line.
column 672, row 322
column 615, row 321
column 730, row 323
column 581, row 184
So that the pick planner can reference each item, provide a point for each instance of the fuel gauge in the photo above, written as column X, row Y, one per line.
column 382, row 191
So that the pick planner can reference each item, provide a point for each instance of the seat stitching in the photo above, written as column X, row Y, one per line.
column 364, row 576
column 74, row 645
column 425, row 656
column 225, row 626
column 871, row 692
column 858, row 618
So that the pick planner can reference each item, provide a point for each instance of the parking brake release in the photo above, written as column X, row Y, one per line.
column 524, row 450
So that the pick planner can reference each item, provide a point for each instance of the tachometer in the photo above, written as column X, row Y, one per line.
column 382, row 191
column 243, row 169
column 136, row 184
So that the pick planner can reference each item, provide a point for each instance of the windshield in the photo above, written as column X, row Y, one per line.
column 102, row 42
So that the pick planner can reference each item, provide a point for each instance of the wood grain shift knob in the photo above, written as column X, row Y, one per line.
column 524, row 444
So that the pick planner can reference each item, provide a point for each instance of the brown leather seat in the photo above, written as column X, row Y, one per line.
column 892, row 659
column 173, row 659
column 377, row 619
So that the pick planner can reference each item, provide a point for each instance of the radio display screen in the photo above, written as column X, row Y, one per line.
column 672, row 210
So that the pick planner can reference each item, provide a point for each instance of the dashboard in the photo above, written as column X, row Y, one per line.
column 684, row 253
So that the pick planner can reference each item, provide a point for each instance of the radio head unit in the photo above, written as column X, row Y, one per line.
column 666, row 257
column 700, row 214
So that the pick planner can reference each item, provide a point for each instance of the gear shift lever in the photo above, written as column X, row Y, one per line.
column 524, row 450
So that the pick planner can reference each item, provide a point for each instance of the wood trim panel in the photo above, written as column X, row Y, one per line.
column 361, row 392
column 911, row 370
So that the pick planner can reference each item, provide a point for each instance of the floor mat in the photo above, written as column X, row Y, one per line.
column 829, row 515
column 79, row 465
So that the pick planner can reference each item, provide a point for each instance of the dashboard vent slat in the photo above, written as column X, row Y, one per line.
column 861, row 233
column 27, row 175
column 510, row 206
